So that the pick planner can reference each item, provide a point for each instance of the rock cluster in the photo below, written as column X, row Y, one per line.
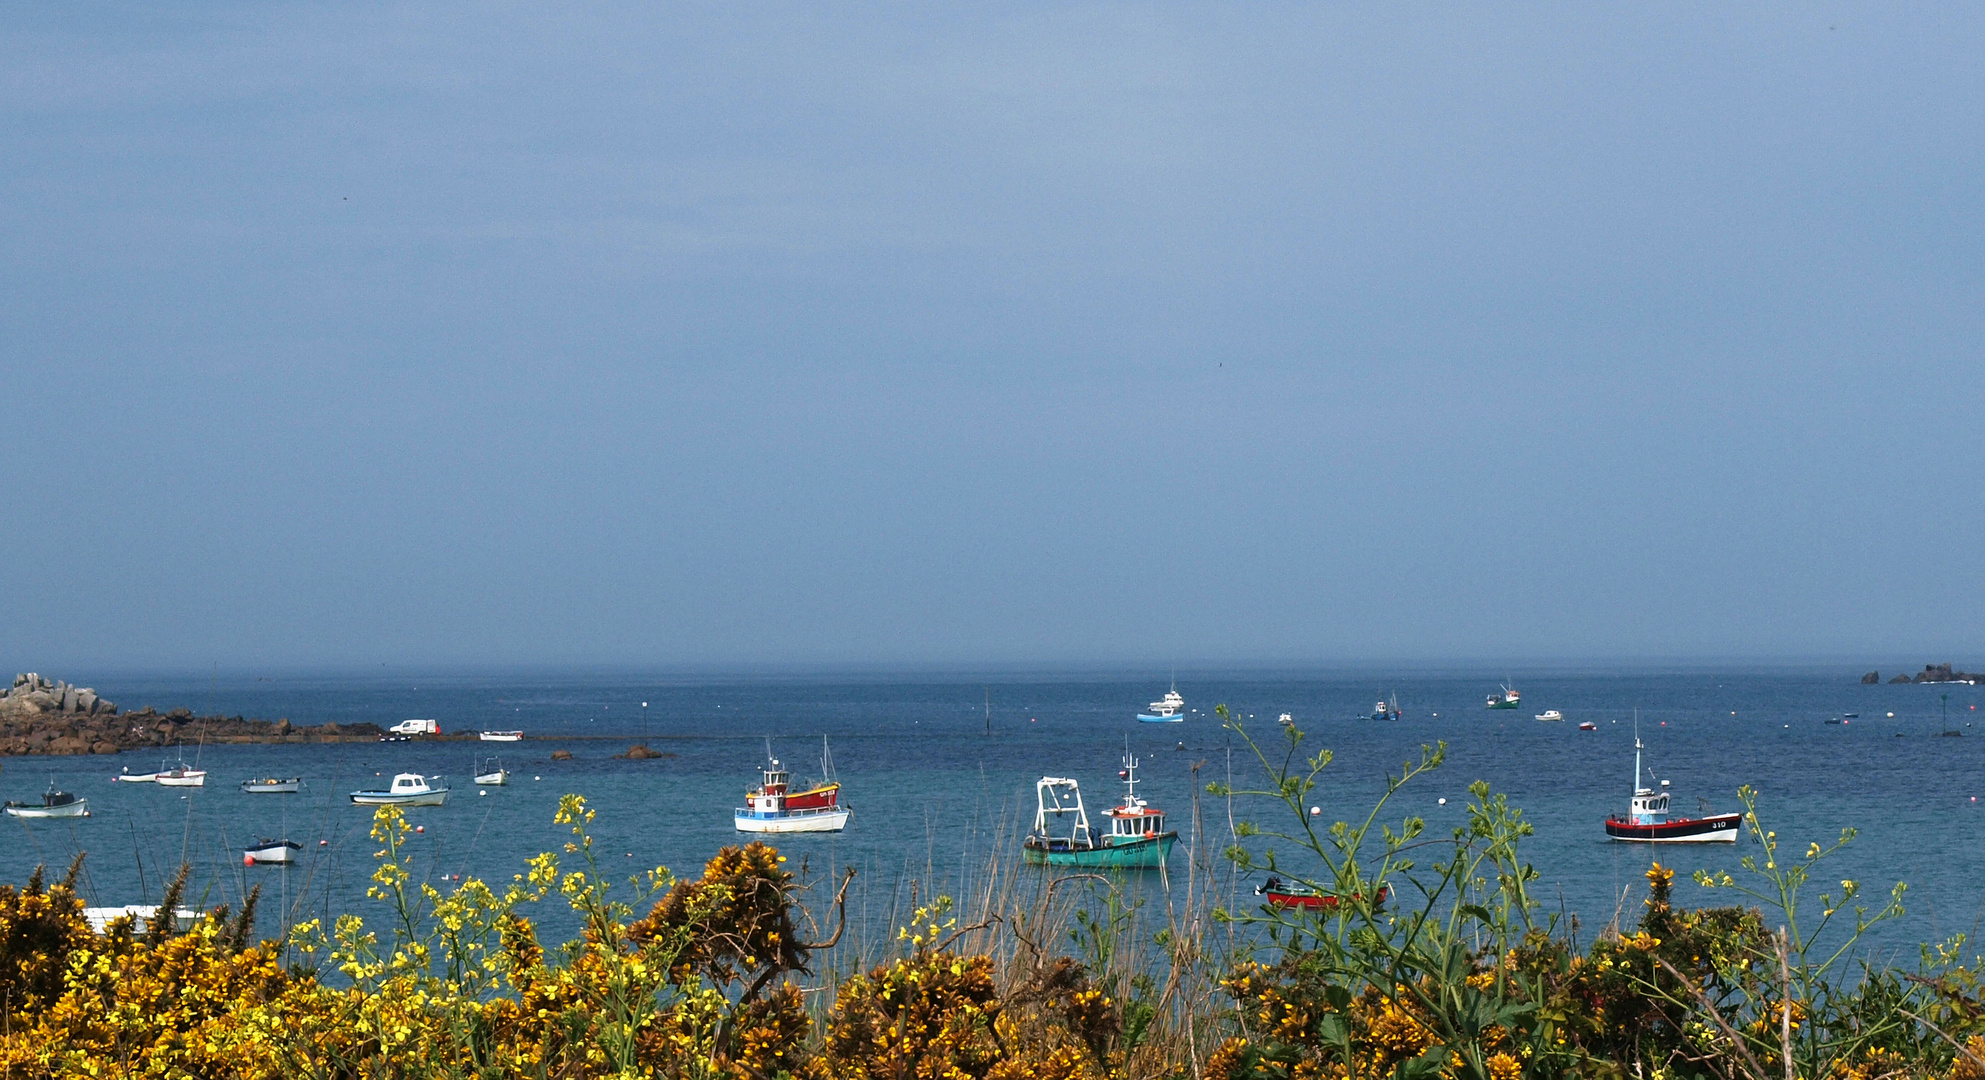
column 1934, row 673
column 640, row 752
column 33, row 693
column 31, row 731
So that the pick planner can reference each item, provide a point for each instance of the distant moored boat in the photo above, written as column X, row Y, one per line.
column 1647, row 818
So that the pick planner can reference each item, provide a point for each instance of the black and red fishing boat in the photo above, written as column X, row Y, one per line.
column 1280, row 894
column 1647, row 819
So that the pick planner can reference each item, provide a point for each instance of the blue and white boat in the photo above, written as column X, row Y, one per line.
column 1169, row 709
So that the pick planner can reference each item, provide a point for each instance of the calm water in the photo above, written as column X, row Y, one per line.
column 931, row 788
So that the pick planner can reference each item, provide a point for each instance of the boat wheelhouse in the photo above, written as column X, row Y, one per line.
column 774, row 807
column 409, row 789
column 1062, row 837
column 1647, row 819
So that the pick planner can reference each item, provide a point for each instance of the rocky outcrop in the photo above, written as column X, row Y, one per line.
column 640, row 752
column 33, row 693
column 1942, row 673
column 1871, row 678
column 31, row 731
column 1899, row 679
column 561, row 755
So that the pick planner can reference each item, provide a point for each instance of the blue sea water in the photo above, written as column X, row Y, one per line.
column 935, row 785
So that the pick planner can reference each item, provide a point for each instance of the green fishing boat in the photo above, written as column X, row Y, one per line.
column 1508, row 699
column 1061, row 837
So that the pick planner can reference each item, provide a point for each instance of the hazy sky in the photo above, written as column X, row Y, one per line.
column 661, row 334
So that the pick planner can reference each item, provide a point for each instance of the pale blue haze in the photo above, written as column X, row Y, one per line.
column 335, row 335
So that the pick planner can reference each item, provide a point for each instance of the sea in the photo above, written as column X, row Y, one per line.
column 940, row 771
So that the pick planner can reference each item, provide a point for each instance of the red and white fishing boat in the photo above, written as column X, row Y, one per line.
column 773, row 807
column 1647, row 818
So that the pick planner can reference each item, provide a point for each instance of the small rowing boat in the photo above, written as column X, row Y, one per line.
column 1282, row 895
column 500, row 736
column 273, row 785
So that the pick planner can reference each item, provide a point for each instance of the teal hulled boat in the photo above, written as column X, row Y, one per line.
column 1137, row 838
column 1508, row 699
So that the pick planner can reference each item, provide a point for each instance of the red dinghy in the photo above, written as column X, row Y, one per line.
column 1647, row 818
column 1298, row 896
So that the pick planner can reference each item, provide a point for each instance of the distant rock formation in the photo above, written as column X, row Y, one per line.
column 561, row 755
column 1942, row 673
column 1899, row 679
column 640, row 752
column 33, row 693
column 1871, row 678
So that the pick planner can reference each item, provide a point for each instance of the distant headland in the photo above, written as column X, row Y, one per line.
column 1931, row 673
column 42, row 717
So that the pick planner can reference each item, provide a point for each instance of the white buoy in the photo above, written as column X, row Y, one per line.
column 484, row 794
column 1316, row 811
column 1443, row 802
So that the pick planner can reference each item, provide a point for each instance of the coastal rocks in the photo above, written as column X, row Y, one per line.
column 1942, row 673
column 33, row 731
column 1871, row 678
column 31, row 692
column 561, row 755
column 1899, row 679
column 640, row 752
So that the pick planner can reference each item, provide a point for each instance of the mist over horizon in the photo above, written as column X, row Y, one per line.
column 485, row 337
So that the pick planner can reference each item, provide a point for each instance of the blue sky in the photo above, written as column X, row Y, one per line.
column 705, row 334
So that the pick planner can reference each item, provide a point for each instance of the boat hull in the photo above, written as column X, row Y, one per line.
column 500, row 736
column 188, row 780
column 79, row 808
column 1175, row 718
column 1308, row 901
column 387, row 798
column 1137, row 854
column 833, row 820
column 264, row 787
column 1503, row 705
column 1715, row 829
column 495, row 779
column 136, row 778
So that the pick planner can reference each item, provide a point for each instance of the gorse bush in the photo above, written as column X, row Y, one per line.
column 1433, row 962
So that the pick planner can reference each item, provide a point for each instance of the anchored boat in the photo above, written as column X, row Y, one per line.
column 273, row 785
column 1280, row 894
column 1169, row 709
column 773, row 807
column 1647, row 818
column 266, row 850
column 1551, row 716
column 409, row 789
column 1508, row 699
column 1385, row 710
column 181, row 775
column 1137, row 837
column 495, row 776
column 129, row 777
column 500, row 736
column 53, row 804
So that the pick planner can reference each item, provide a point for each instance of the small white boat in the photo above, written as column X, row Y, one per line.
column 409, row 789
column 1285, row 720
column 181, row 775
column 495, row 776
column 101, row 917
column 53, row 804
column 272, row 851
column 274, row 785
column 129, row 777
column 500, row 736
column 1551, row 716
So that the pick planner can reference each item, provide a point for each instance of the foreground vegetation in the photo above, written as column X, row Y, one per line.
column 1434, row 962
